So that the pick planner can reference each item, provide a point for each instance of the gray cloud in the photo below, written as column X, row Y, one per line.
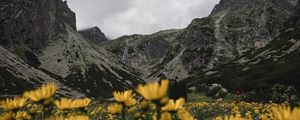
column 123, row 17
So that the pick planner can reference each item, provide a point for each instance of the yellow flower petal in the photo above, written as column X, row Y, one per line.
column 114, row 108
column 154, row 90
column 65, row 103
column 173, row 106
column 42, row 93
column 166, row 116
column 15, row 103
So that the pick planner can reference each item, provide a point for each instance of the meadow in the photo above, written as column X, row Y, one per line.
column 148, row 101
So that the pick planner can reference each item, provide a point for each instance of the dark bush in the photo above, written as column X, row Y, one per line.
column 178, row 89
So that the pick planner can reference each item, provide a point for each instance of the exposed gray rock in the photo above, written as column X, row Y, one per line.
column 233, row 28
column 250, row 24
column 85, row 66
column 31, row 24
column 43, row 34
column 213, row 90
column 260, row 69
column 95, row 35
column 145, row 53
column 16, row 76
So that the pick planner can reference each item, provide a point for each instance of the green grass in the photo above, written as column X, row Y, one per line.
column 199, row 97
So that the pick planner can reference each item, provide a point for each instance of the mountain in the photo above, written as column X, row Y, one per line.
column 40, row 44
column 145, row 53
column 242, row 44
column 233, row 28
column 16, row 76
column 86, row 66
column 94, row 34
column 260, row 69
column 32, row 24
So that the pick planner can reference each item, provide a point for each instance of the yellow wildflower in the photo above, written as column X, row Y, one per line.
column 184, row 115
column 130, row 102
column 65, row 103
column 256, row 111
column 144, row 104
column 218, row 118
column 164, row 100
column 111, row 117
column 232, row 117
column 11, row 104
column 6, row 116
column 137, row 115
column 22, row 115
column 122, row 96
column 132, row 109
column 154, row 116
column 70, row 117
column 78, row 117
column 114, row 108
column 248, row 115
column 48, row 101
column 166, row 116
column 265, row 116
column 125, row 97
column 42, row 93
column 286, row 113
column 173, row 106
column 154, row 90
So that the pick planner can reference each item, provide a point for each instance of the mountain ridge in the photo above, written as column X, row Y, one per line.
column 43, row 35
column 206, row 42
column 277, row 62
column 93, row 34
column 235, row 37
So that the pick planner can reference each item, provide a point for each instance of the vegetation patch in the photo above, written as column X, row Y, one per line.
column 148, row 101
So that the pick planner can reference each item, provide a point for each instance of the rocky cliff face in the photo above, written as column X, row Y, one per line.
column 248, row 24
column 260, row 69
column 85, row 66
column 234, row 27
column 40, row 44
column 241, row 40
column 95, row 35
column 144, row 53
column 31, row 24
column 16, row 76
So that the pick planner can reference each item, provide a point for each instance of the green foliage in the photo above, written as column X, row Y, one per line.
column 281, row 93
column 200, row 97
column 29, row 57
column 20, row 52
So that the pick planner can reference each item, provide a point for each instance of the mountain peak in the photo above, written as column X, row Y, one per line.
column 46, row 19
column 94, row 34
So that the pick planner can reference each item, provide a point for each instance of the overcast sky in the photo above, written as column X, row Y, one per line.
column 124, row 17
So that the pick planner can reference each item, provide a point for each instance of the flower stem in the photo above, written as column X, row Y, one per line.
column 158, row 107
column 123, row 112
column 158, row 113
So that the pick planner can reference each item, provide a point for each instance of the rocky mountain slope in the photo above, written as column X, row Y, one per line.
column 16, row 76
column 241, row 42
column 43, row 36
column 93, row 34
column 233, row 27
column 85, row 66
column 260, row 69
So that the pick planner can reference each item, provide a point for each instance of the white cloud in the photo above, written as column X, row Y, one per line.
column 123, row 17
